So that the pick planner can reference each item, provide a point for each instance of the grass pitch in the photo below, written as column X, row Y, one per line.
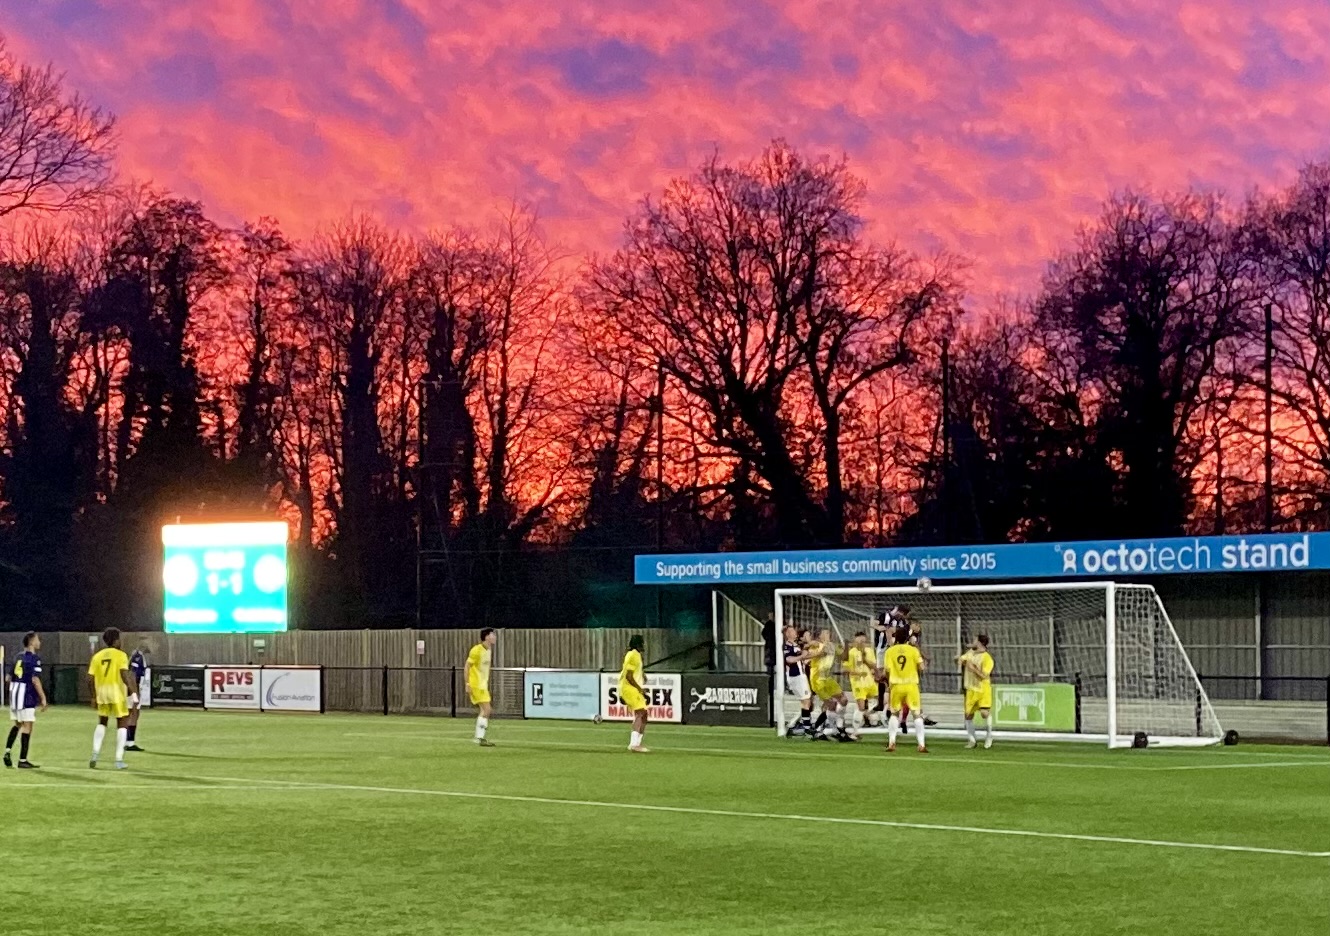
column 339, row 824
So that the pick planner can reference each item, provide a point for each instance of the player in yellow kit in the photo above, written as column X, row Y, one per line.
column 113, row 695
column 633, row 692
column 863, row 681
column 904, row 664
column 478, row 682
column 822, row 679
column 976, row 673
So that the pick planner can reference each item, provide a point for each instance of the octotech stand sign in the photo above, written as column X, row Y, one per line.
column 664, row 693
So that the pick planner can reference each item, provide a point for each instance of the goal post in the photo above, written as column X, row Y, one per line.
column 1111, row 645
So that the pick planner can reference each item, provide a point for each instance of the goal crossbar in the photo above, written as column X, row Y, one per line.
column 1133, row 678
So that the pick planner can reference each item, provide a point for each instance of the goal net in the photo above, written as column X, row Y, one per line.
column 1112, row 644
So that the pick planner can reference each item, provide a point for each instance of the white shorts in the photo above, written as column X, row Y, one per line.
column 797, row 686
column 18, row 704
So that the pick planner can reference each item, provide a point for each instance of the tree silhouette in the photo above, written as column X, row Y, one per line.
column 56, row 150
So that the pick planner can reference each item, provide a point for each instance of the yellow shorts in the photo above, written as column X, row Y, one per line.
column 826, row 689
column 113, row 709
column 905, row 695
column 976, row 699
column 864, row 689
column 633, row 700
column 478, row 695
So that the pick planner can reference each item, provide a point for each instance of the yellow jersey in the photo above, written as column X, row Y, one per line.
column 632, row 665
column 903, row 662
column 107, row 669
column 982, row 660
column 478, row 667
column 822, row 661
column 859, row 664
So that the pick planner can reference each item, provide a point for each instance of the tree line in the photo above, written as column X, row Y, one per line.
column 749, row 368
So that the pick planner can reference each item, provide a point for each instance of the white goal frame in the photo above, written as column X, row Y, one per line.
column 1113, row 737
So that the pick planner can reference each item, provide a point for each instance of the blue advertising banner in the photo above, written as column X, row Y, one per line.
column 561, row 694
column 1278, row 552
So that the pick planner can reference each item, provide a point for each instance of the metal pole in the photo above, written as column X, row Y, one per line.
column 1111, row 661
column 1269, row 418
column 944, row 491
column 421, row 444
column 660, row 477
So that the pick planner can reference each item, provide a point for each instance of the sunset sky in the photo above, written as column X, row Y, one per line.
column 988, row 127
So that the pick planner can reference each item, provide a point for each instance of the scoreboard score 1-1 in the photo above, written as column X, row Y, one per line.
column 224, row 578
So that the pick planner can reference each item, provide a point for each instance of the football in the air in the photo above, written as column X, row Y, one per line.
column 924, row 584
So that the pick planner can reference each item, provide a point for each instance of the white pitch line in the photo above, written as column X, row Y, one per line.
column 98, row 787
column 785, row 817
column 978, row 758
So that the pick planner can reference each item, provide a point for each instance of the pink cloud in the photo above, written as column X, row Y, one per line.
column 980, row 126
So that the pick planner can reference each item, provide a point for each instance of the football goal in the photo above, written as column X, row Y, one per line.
column 1095, row 662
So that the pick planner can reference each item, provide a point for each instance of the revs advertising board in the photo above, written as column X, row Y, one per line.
column 558, row 694
column 291, row 689
column 721, row 699
column 663, row 691
column 231, row 687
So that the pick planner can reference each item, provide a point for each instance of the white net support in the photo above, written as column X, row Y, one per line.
column 1113, row 642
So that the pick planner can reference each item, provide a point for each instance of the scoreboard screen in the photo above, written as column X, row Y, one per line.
column 224, row 578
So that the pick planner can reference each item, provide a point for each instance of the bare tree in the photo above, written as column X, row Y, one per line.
column 351, row 281
column 526, row 302
column 1291, row 235
column 753, row 287
column 56, row 150
column 264, row 273
column 49, row 462
column 1148, row 304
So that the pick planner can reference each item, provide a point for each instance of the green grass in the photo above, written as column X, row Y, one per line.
column 269, row 824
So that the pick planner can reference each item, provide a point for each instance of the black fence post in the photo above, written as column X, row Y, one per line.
column 1327, row 709
column 385, row 690
column 1078, row 703
column 323, row 689
column 1198, row 709
column 452, row 692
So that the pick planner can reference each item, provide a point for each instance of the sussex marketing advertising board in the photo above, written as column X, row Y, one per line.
column 663, row 691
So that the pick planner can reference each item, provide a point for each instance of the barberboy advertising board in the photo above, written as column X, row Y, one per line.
column 727, row 699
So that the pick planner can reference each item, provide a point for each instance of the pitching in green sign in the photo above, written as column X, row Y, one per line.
column 1036, row 707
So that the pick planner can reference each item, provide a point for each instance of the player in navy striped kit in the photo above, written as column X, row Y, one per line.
column 27, row 696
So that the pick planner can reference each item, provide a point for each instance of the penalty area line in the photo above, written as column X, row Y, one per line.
column 783, row 817
column 985, row 758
